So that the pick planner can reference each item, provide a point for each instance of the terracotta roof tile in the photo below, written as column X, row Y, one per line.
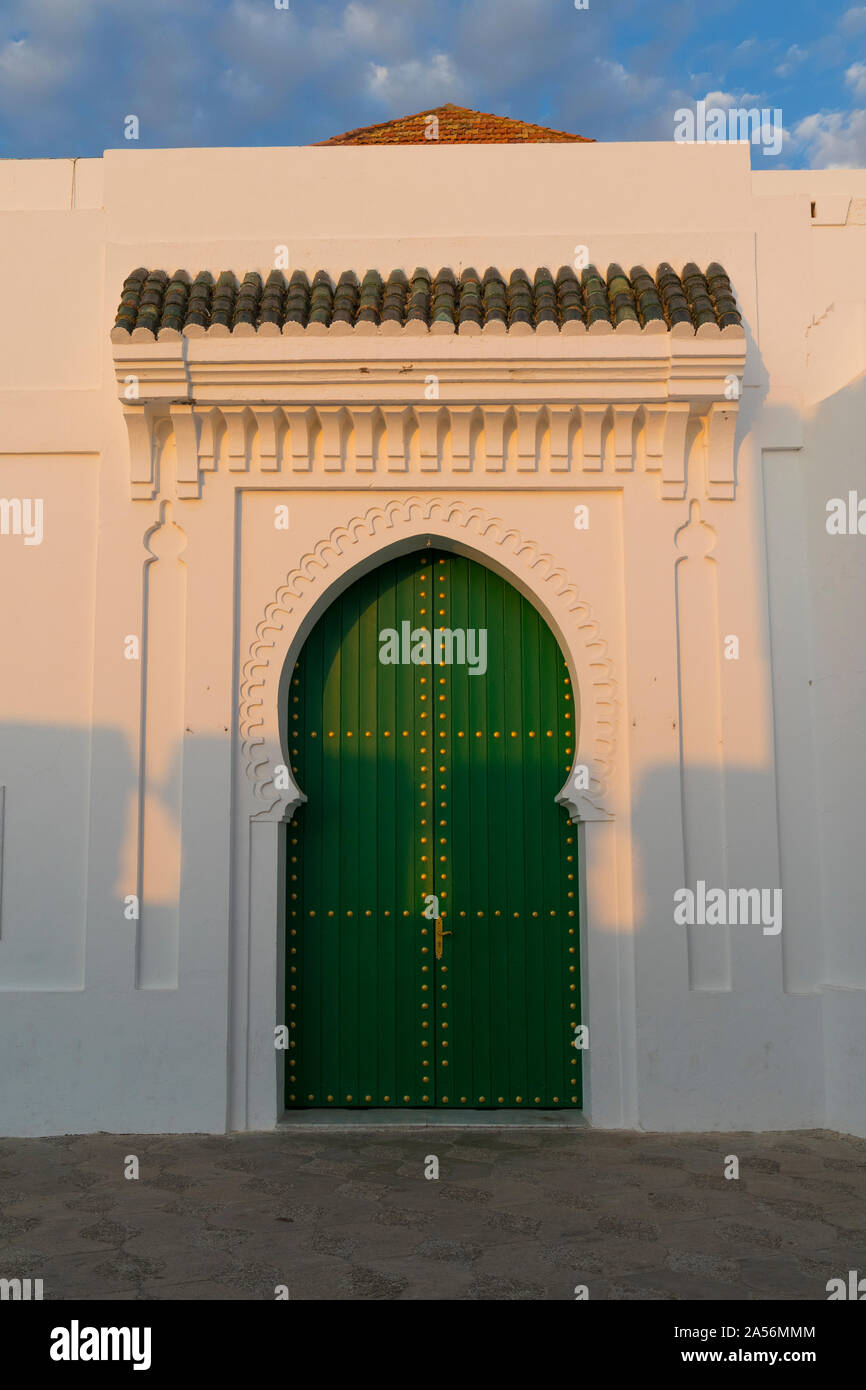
column 153, row 305
column 457, row 125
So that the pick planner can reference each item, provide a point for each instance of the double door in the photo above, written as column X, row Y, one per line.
column 432, row 900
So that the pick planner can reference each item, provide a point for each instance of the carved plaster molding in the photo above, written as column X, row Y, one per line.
column 469, row 445
column 304, row 592
column 464, row 407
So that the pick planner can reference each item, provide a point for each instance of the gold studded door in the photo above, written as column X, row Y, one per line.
column 432, row 883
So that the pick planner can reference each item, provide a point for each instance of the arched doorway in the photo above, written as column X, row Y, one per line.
column 433, row 943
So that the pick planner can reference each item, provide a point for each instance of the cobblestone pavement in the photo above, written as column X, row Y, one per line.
column 514, row 1214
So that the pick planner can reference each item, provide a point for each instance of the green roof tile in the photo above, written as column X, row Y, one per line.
column 151, row 302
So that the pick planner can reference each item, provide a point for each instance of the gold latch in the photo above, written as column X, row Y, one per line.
column 438, row 937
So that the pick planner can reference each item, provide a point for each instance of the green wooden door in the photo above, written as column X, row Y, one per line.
column 431, row 724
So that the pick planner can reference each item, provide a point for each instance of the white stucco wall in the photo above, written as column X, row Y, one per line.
column 167, row 1024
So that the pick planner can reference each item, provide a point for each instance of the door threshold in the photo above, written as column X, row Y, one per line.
column 432, row 1119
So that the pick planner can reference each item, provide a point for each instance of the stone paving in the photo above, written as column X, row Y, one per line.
column 514, row 1214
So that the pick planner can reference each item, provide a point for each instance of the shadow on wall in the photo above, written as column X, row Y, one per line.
column 79, row 904
column 833, row 489
column 727, row 1015
column 712, row 1013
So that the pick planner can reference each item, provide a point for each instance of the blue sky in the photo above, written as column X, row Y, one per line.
column 242, row 72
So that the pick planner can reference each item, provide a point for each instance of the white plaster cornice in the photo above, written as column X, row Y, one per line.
column 458, row 405
column 574, row 368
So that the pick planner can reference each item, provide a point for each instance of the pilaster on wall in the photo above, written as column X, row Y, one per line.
column 700, row 719
column 163, row 670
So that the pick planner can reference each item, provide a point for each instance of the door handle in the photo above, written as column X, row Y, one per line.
column 439, row 938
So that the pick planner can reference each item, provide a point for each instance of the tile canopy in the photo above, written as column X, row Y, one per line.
column 155, row 304
column 455, row 125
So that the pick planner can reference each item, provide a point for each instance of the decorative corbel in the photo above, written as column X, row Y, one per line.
column 363, row 421
column 396, row 418
column 461, row 436
column 269, row 419
column 301, row 424
column 494, row 437
column 721, row 430
column 674, row 456
column 560, row 428
column 429, row 418
column 656, row 422
column 237, row 418
column 623, row 446
column 527, row 437
column 332, row 420
column 139, row 417
column 592, row 419
column 210, row 426
column 186, row 429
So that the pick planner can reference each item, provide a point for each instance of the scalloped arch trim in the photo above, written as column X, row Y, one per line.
column 484, row 537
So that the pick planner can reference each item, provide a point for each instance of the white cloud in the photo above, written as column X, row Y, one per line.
column 248, row 29
column 414, row 85
column 361, row 23
column 510, row 46
column 853, row 21
column 27, row 70
column 632, row 86
column 833, row 139
column 794, row 56
column 220, row 69
column 856, row 79
column 241, row 87
column 725, row 100
column 387, row 32
column 56, row 21
column 735, row 101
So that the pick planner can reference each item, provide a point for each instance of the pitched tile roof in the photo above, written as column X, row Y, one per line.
column 457, row 125
column 152, row 304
